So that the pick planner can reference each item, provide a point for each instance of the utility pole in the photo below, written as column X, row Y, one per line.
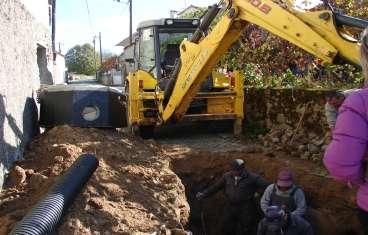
column 94, row 54
column 100, row 48
column 131, row 21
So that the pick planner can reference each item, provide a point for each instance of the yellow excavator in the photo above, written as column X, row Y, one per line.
column 172, row 62
column 161, row 91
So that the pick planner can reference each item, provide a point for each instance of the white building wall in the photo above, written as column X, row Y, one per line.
column 25, row 58
column 59, row 69
column 37, row 8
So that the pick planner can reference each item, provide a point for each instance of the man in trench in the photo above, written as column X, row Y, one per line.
column 278, row 222
column 240, row 186
column 286, row 194
column 334, row 100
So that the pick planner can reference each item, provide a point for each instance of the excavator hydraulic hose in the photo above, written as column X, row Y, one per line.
column 198, row 34
column 44, row 217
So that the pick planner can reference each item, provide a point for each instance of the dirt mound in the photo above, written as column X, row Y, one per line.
column 132, row 191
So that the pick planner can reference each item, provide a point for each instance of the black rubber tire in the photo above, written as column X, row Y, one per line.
column 146, row 132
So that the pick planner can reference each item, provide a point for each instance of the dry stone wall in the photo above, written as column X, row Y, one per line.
column 25, row 59
column 295, row 118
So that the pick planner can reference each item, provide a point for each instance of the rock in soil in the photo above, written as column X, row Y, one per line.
column 17, row 176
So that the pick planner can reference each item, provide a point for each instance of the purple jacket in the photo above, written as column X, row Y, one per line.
column 345, row 156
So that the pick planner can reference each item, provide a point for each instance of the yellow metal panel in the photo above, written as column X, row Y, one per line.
column 220, row 80
column 133, row 99
column 279, row 21
column 220, row 106
column 239, row 89
column 326, row 28
column 137, row 95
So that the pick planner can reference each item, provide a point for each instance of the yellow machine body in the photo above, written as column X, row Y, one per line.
column 314, row 32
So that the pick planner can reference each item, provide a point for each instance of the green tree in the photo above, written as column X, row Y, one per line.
column 80, row 60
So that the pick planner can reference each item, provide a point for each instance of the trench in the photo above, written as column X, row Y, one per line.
column 331, row 205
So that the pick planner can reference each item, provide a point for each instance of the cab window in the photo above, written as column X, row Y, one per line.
column 147, row 51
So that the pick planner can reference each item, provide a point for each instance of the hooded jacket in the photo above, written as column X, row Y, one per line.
column 345, row 156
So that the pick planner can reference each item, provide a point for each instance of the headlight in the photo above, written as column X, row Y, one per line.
column 169, row 22
column 91, row 113
column 195, row 22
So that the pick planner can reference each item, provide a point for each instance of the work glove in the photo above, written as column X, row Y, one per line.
column 199, row 196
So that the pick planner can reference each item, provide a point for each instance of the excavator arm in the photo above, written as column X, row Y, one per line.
column 315, row 32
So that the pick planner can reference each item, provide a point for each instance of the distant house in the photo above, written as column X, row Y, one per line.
column 127, row 56
column 190, row 9
column 59, row 72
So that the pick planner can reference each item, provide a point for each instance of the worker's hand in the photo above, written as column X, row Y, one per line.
column 200, row 196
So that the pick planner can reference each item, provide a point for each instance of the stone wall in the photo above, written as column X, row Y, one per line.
column 295, row 118
column 274, row 107
column 25, row 59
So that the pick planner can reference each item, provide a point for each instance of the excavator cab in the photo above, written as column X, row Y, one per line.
column 157, row 51
column 157, row 46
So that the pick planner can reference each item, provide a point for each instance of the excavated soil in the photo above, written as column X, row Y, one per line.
column 133, row 190
column 139, row 185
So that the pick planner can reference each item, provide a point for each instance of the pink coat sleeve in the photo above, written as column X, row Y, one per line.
column 345, row 155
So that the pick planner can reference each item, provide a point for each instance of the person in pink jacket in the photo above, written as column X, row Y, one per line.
column 346, row 156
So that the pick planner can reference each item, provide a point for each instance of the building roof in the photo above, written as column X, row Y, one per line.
column 189, row 8
column 126, row 41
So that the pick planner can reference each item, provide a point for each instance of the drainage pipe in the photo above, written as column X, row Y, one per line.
column 46, row 214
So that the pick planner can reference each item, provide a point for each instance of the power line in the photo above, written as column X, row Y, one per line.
column 89, row 17
column 125, row 8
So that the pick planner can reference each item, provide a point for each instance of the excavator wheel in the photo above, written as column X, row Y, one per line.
column 146, row 132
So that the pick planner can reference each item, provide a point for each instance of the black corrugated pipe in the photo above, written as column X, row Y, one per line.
column 44, row 217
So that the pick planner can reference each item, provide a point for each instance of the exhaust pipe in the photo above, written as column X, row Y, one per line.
column 44, row 217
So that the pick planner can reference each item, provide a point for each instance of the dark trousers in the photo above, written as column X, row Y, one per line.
column 363, row 218
column 239, row 219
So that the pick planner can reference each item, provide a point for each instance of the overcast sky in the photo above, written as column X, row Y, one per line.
column 109, row 17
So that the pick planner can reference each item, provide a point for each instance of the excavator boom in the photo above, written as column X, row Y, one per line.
column 315, row 32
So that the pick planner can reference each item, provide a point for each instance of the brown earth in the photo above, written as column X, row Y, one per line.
column 135, row 189
column 200, row 163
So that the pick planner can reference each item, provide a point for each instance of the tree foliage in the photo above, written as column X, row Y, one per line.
column 268, row 60
column 81, row 60
column 110, row 63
